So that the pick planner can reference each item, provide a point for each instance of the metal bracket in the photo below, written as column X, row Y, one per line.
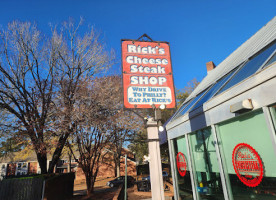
column 152, row 140
column 145, row 36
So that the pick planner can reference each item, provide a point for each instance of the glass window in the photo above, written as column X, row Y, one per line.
column 176, row 115
column 249, row 68
column 273, row 114
column 181, row 163
column 191, row 103
column 271, row 60
column 249, row 157
column 213, row 90
column 206, row 167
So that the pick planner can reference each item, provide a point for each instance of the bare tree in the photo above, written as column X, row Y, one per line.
column 39, row 77
column 90, row 143
column 91, row 117
column 27, row 63
column 123, row 126
column 80, row 58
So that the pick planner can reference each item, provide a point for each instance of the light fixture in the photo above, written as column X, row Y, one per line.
column 162, row 106
column 242, row 106
column 161, row 128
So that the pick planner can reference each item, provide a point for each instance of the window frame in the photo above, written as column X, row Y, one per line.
column 268, row 59
column 237, row 69
column 245, row 63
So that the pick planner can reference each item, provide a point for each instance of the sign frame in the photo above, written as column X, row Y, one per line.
column 147, row 106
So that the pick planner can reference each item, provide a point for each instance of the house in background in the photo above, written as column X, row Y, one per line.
column 17, row 165
column 24, row 165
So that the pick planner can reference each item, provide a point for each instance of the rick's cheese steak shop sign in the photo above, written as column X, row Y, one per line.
column 147, row 74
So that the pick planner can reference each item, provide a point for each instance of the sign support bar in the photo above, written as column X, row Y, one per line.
column 156, row 178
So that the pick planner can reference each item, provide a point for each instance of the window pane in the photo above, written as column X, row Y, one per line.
column 182, row 112
column 250, row 159
column 176, row 115
column 249, row 68
column 213, row 90
column 272, row 60
column 273, row 114
column 182, row 168
column 208, row 180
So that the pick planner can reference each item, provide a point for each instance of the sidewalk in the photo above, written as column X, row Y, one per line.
column 134, row 194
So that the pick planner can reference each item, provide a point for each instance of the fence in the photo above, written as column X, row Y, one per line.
column 59, row 187
column 48, row 187
column 21, row 189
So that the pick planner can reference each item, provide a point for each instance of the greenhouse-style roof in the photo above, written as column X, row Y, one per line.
column 255, row 54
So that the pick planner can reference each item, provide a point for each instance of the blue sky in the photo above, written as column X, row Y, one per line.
column 198, row 31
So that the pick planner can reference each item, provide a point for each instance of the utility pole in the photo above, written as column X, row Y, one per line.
column 156, row 178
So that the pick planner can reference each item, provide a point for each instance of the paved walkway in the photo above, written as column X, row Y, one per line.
column 134, row 194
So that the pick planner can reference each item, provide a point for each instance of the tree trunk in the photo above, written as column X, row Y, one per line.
column 118, row 168
column 42, row 160
column 57, row 153
column 89, row 183
column 70, row 160
column 54, row 161
column 40, row 149
column 115, row 169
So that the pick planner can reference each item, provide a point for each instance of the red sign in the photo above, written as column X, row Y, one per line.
column 181, row 164
column 247, row 164
column 147, row 74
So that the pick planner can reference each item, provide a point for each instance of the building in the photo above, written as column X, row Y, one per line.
column 107, row 166
column 222, row 139
column 19, row 164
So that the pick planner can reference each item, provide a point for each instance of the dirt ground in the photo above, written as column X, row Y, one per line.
column 102, row 191
column 99, row 194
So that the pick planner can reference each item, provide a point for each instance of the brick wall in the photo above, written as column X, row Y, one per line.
column 107, row 169
column 32, row 167
column 11, row 169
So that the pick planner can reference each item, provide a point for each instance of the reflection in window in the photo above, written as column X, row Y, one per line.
column 182, row 170
column 237, row 137
column 208, row 181
column 273, row 114
column 213, row 90
column 271, row 60
column 183, row 106
column 249, row 68
column 191, row 103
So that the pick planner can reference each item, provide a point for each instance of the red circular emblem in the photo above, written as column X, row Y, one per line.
column 247, row 164
column 181, row 164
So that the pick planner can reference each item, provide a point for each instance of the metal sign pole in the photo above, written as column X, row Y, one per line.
column 126, row 177
column 151, row 84
column 156, row 179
